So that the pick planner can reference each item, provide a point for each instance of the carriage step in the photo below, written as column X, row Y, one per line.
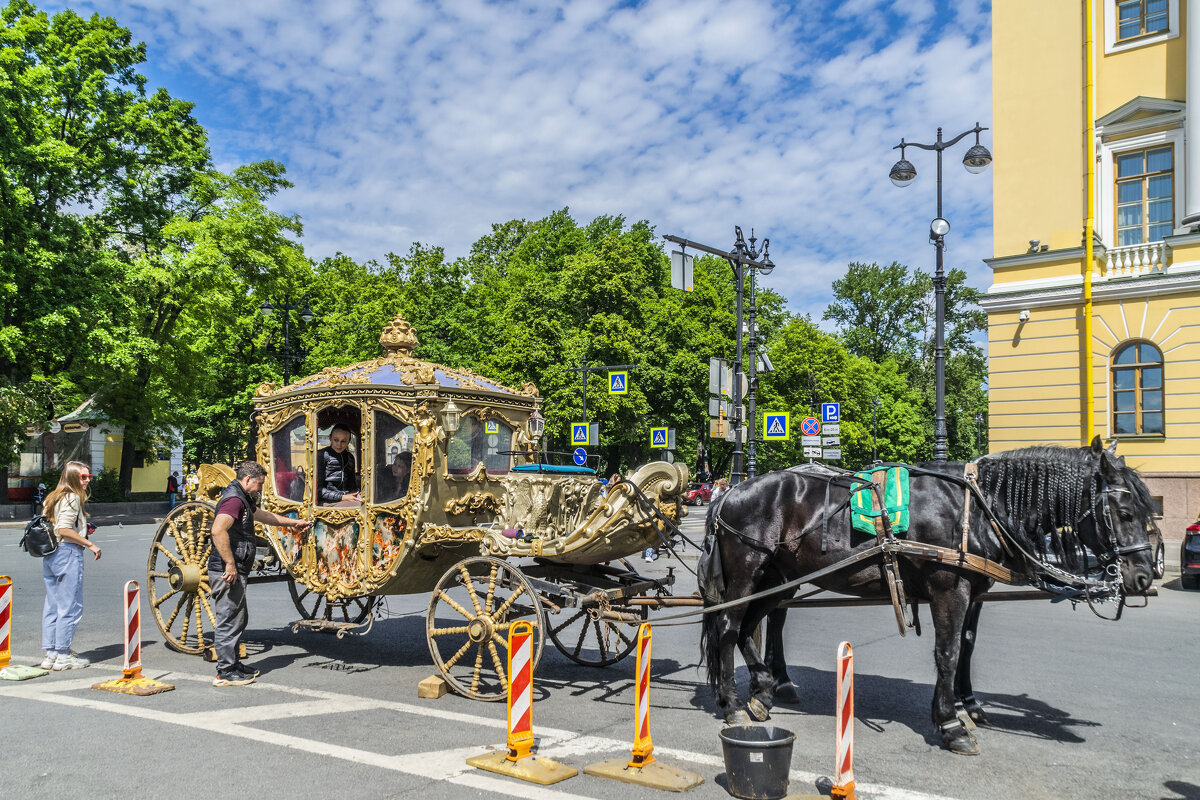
column 329, row 626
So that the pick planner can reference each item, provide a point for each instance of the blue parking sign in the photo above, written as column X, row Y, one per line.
column 831, row 412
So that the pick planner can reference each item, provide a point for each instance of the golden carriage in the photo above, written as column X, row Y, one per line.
column 481, row 521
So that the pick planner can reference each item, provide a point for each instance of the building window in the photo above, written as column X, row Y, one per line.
column 1140, row 17
column 1137, row 390
column 1145, row 195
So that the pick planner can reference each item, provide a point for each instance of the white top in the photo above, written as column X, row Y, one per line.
column 68, row 513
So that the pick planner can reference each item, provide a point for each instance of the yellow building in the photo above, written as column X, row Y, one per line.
column 1100, row 135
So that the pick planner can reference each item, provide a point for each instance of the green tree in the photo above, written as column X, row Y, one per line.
column 880, row 310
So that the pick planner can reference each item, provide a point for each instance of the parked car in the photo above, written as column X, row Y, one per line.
column 1160, row 554
column 697, row 494
column 1189, row 557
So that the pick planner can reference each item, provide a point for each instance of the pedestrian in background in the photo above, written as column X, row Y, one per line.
column 62, row 570
column 173, row 487
column 39, row 496
column 720, row 488
column 230, row 562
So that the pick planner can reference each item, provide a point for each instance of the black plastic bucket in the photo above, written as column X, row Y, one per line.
column 757, row 760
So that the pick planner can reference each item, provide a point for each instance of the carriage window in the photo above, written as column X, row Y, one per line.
column 393, row 457
column 476, row 441
column 333, row 481
column 287, row 459
column 1137, row 390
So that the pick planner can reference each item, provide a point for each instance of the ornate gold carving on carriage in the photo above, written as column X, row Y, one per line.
column 473, row 495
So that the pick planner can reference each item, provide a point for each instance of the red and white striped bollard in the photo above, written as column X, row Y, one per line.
column 843, row 773
column 5, row 620
column 133, row 631
column 643, row 746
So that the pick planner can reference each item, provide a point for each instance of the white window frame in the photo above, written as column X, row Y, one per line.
column 1106, row 222
column 1110, row 29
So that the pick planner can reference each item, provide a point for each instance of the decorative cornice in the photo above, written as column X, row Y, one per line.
column 1113, row 289
column 1027, row 259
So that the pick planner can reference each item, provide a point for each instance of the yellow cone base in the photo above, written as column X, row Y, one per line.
column 656, row 774
column 19, row 672
column 534, row 769
column 139, row 686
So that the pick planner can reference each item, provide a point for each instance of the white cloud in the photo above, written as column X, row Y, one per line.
column 403, row 120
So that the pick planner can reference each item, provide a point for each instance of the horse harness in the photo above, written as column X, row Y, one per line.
column 891, row 547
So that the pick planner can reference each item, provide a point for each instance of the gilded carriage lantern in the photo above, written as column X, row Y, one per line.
column 453, row 492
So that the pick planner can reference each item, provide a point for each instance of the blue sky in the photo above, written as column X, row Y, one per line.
column 403, row 120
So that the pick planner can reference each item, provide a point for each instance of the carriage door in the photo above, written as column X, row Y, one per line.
column 392, row 486
column 337, row 523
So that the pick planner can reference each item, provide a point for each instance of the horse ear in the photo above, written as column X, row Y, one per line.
column 1097, row 445
column 1112, row 448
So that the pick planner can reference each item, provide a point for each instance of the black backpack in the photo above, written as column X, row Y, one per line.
column 39, row 539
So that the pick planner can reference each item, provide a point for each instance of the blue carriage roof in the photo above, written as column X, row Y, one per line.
column 398, row 368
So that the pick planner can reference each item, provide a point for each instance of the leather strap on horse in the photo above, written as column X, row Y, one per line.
column 933, row 552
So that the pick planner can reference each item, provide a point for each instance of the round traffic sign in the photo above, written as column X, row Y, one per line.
column 810, row 426
column 580, row 456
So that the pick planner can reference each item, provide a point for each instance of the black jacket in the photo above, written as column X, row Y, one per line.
column 336, row 475
column 241, row 533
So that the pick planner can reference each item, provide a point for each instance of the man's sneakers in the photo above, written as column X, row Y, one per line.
column 68, row 661
column 249, row 671
column 232, row 678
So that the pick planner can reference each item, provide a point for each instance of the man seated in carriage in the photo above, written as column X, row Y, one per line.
column 337, row 477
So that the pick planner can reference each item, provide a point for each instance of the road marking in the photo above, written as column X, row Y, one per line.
column 442, row 765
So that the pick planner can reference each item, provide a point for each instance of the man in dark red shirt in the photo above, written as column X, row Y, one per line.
column 230, row 562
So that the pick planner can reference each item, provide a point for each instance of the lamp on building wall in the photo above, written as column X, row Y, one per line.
column 1024, row 315
column 450, row 417
column 902, row 174
column 536, row 425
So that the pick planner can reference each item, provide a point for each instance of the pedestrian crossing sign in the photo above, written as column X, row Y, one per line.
column 491, row 426
column 775, row 426
column 579, row 433
column 618, row 382
column 658, row 437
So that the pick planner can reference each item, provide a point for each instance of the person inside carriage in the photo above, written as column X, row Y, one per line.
column 337, row 477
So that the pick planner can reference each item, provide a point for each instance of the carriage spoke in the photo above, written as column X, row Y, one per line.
column 583, row 629
column 160, row 575
column 208, row 610
column 491, row 591
column 159, row 601
column 448, row 600
column 578, row 614
column 174, row 559
column 626, row 640
column 600, row 640
column 199, row 628
column 179, row 541
column 500, row 612
column 450, row 662
column 478, row 673
column 187, row 621
column 175, row 613
column 498, row 664
column 461, row 629
column 470, row 587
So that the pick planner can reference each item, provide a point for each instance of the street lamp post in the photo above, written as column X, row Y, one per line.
column 743, row 256
column 902, row 174
column 286, row 354
column 978, row 433
column 875, row 430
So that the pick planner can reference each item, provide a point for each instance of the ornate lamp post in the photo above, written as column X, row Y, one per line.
column 742, row 257
column 286, row 354
column 902, row 174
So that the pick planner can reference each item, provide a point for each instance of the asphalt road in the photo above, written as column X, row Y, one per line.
column 1081, row 707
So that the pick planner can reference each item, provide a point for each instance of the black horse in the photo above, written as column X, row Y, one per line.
column 784, row 525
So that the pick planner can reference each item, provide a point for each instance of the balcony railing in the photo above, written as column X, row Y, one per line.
column 1134, row 260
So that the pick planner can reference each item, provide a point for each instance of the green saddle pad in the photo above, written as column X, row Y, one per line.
column 865, row 517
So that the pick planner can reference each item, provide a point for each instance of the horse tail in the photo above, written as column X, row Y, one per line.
column 711, row 582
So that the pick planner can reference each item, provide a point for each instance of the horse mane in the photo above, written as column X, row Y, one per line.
column 1043, row 490
column 1040, row 490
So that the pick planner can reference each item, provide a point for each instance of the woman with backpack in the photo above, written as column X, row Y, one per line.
column 62, row 570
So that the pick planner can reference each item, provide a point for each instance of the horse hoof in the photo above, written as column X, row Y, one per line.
column 758, row 710
column 787, row 693
column 976, row 714
column 960, row 742
column 738, row 717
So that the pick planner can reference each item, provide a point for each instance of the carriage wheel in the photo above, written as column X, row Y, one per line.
column 470, row 613
column 586, row 637
column 314, row 605
column 177, row 577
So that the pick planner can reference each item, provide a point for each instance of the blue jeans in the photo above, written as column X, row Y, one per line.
column 229, row 608
column 62, row 571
